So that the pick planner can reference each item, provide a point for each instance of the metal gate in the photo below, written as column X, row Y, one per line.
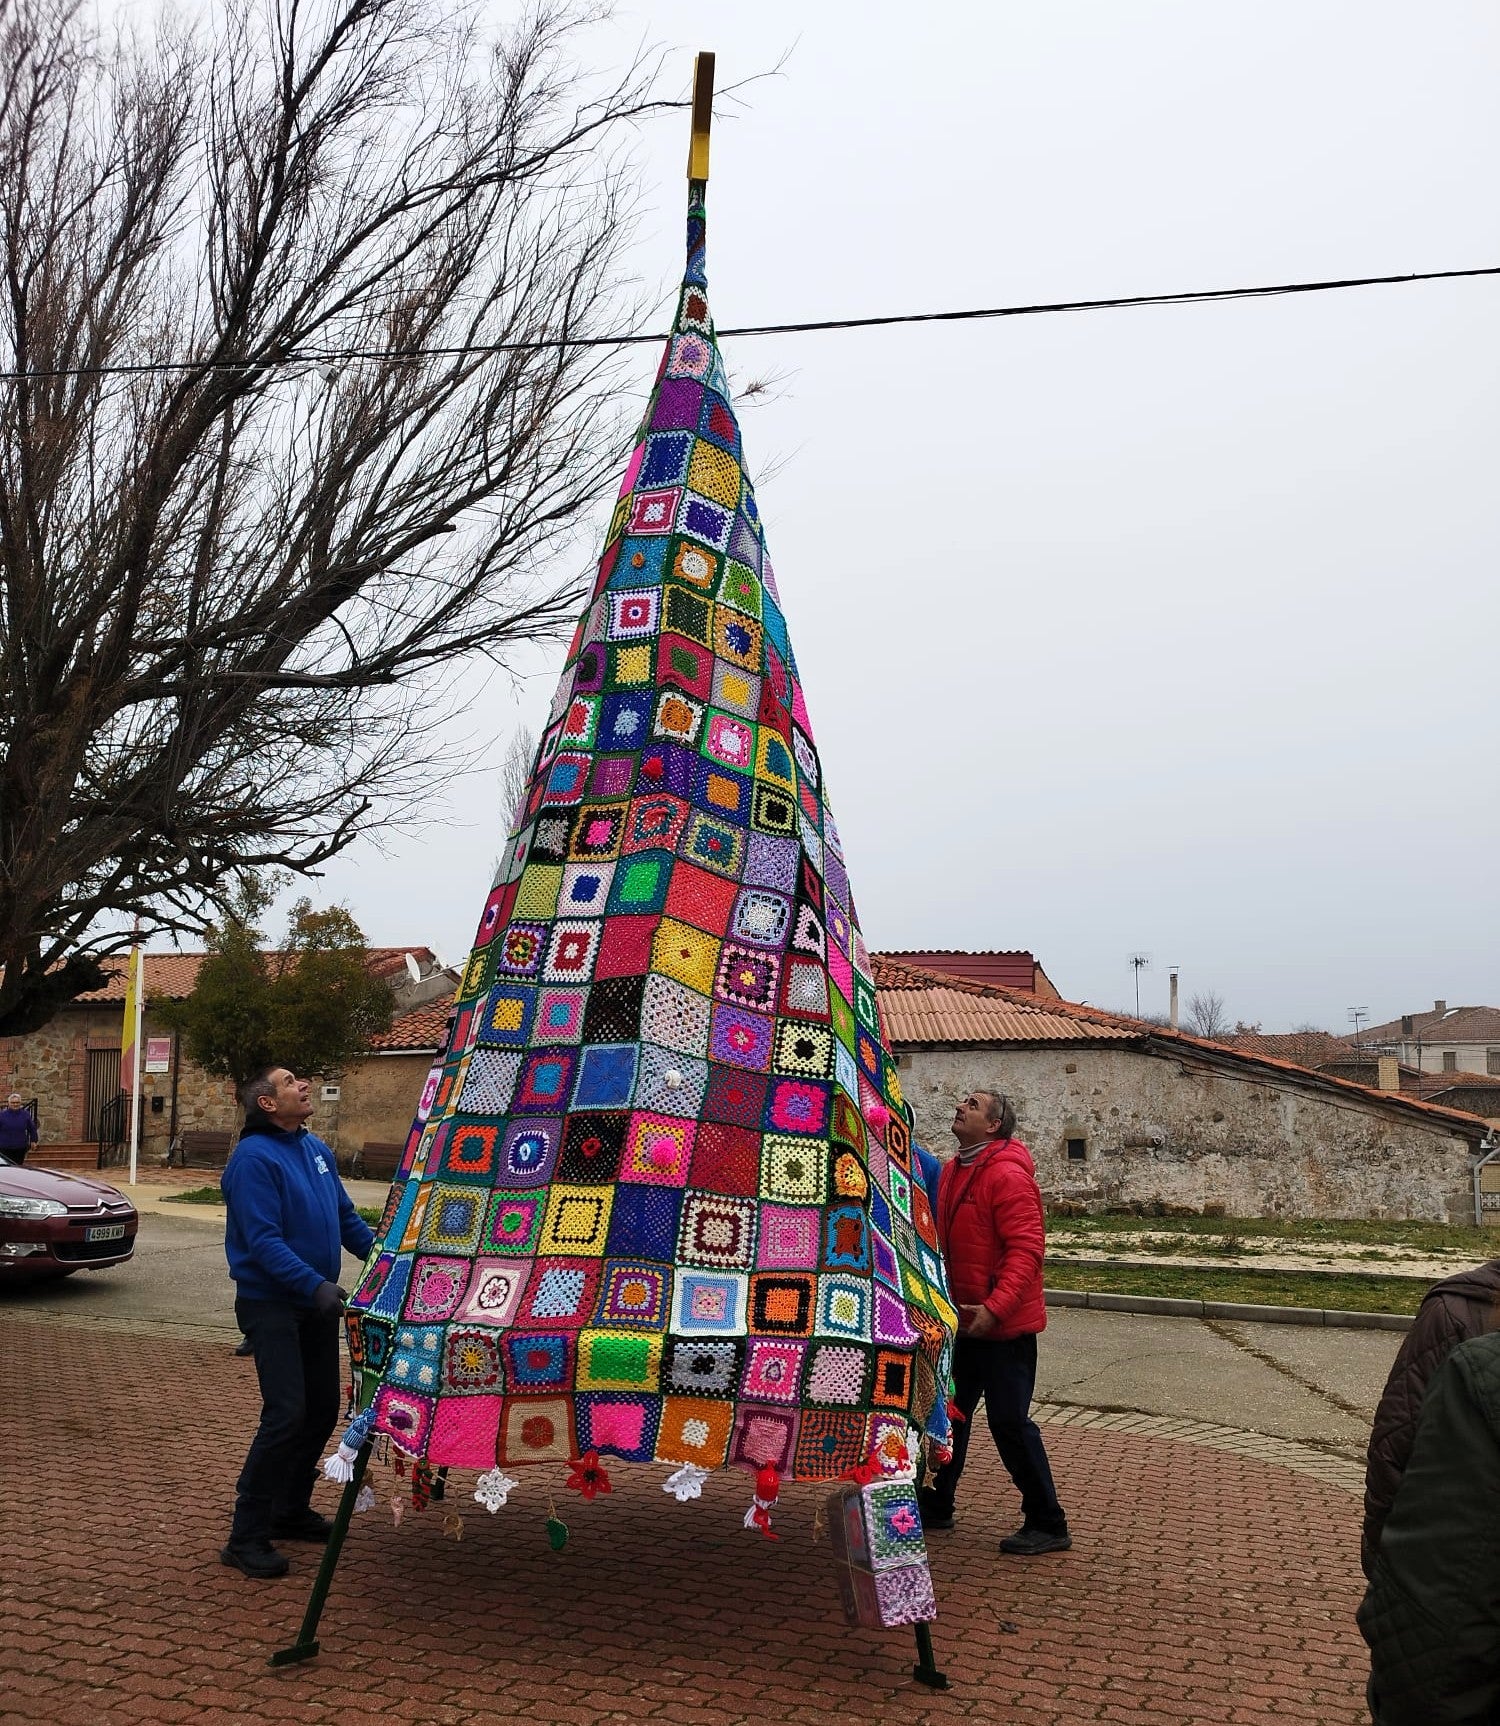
column 104, row 1104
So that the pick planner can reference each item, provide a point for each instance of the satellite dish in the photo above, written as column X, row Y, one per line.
column 413, row 969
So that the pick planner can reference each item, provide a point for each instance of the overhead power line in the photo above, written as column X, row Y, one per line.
column 472, row 350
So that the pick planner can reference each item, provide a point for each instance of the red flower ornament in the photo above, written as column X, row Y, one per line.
column 588, row 1476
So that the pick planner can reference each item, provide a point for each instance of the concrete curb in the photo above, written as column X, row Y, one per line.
column 1245, row 1314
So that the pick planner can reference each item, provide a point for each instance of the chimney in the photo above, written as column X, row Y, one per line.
column 1172, row 1008
column 1387, row 1074
column 1440, row 1007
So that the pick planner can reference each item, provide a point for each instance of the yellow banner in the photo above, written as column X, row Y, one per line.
column 134, row 987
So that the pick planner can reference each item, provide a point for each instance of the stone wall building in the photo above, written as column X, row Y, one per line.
column 1116, row 1111
column 71, row 1066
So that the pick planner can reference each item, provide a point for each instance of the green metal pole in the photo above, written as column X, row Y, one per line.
column 925, row 1671
column 306, row 1645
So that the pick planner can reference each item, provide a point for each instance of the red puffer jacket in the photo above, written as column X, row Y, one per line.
column 991, row 1228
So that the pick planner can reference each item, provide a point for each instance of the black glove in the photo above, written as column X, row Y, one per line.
column 328, row 1300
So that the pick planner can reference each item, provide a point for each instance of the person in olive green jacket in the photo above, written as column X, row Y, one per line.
column 1431, row 1614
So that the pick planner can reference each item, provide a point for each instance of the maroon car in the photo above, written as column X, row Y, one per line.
column 53, row 1224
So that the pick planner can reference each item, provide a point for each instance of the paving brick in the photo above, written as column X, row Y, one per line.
column 1174, row 1607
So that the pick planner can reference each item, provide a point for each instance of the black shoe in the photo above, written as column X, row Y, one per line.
column 1029, row 1542
column 257, row 1558
column 935, row 1516
column 302, row 1525
column 246, row 1346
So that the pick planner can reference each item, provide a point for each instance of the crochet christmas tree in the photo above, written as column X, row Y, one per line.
column 659, row 1200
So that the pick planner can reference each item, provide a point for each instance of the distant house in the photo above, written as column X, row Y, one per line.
column 1446, row 1040
column 72, row 1064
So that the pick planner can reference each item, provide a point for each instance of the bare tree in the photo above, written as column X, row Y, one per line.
column 1206, row 1016
column 515, row 776
column 258, row 486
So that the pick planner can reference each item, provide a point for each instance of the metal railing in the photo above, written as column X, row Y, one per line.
column 112, row 1119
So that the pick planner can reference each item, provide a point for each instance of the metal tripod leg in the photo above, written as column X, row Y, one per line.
column 306, row 1645
column 925, row 1671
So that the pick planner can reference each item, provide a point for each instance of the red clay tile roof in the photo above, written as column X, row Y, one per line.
column 421, row 1031
column 919, row 1006
column 1306, row 1048
column 1455, row 1025
column 171, row 976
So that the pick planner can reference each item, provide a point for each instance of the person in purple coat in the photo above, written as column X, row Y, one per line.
column 17, row 1129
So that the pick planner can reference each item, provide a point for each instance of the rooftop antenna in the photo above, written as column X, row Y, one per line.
column 1139, row 962
column 1357, row 1017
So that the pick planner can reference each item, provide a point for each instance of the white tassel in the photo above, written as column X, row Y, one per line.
column 340, row 1466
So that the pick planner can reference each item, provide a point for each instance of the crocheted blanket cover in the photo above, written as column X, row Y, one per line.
column 659, row 1199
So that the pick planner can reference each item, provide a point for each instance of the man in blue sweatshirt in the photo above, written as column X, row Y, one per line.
column 288, row 1218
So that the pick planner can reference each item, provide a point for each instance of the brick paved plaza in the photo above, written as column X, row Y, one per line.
column 1207, row 1584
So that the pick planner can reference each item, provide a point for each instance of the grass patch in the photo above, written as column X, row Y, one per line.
column 195, row 1196
column 1254, row 1287
column 1365, row 1231
column 371, row 1213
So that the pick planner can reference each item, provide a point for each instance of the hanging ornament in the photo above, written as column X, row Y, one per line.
column 686, row 1482
column 453, row 1525
column 767, row 1491
column 864, row 1472
column 557, row 1529
column 340, row 1466
column 421, row 1486
column 588, row 1476
column 493, row 1489
column 366, row 1499
column 398, row 1507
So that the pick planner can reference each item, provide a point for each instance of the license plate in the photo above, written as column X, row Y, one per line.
column 105, row 1232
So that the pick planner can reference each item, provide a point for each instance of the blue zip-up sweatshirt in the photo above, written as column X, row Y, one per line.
column 288, row 1216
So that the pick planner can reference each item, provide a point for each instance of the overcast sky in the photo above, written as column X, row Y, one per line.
column 1170, row 630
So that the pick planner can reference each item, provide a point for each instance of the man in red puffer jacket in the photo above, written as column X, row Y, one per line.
column 989, row 1217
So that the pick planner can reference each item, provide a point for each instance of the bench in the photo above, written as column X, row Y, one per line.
column 377, row 1162
column 203, row 1150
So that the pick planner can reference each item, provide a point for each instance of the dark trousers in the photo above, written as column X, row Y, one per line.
column 297, row 1362
column 1003, row 1373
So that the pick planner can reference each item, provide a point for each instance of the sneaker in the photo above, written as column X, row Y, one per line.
column 257, row 1558
column 302, row 1525
column 1029, row 1542
column 936, row 1517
